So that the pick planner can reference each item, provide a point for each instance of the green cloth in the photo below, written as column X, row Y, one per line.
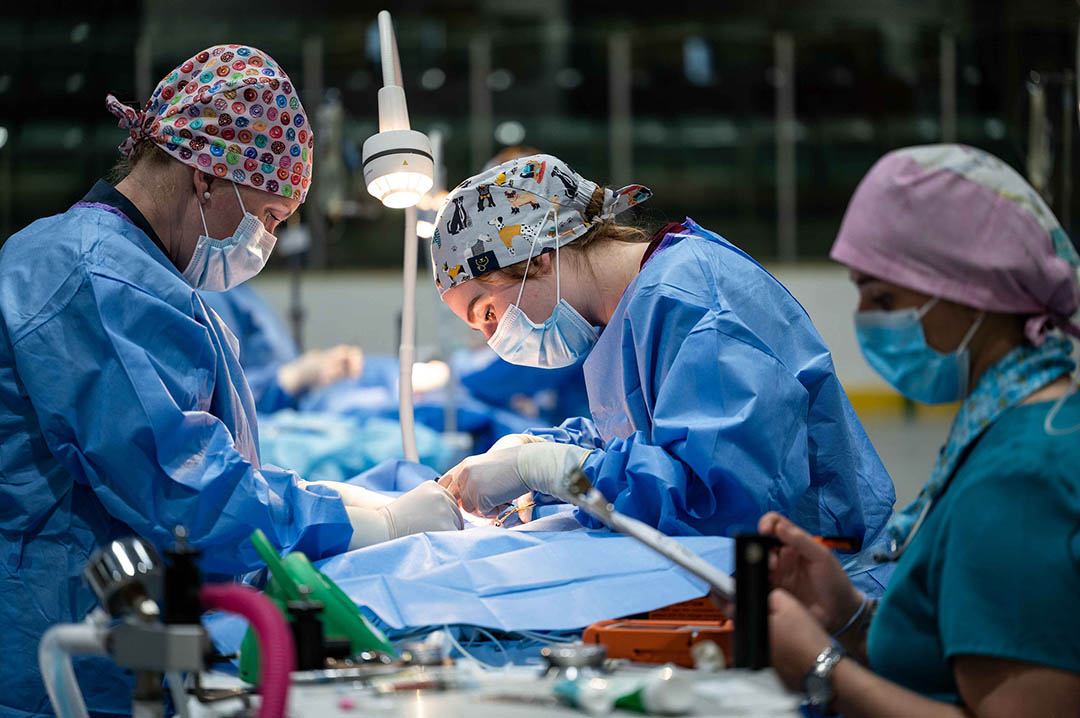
column 995, row 569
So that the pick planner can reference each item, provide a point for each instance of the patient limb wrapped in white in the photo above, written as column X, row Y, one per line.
column 376, row 518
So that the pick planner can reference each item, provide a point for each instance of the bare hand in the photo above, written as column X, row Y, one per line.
column 795, row 638
column 809, row 572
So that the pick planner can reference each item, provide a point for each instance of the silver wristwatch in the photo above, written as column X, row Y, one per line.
column 818, row 684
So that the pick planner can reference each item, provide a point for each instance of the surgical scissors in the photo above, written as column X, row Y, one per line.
column 510, row 511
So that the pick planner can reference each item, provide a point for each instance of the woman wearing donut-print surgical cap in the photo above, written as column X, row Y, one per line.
column 123, row 407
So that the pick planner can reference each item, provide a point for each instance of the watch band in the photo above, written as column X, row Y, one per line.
column 817, row 683
column 827, row 659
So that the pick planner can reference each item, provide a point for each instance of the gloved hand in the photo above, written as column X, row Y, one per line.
column 428, row 507
column 486, row 483
column 511, row 440
column 319, row 367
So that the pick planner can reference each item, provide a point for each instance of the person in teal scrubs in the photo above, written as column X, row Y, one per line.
column 967, row 284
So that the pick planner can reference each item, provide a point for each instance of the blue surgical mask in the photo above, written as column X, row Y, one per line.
column 221, row 264
column 895, row 346
column 560, row 341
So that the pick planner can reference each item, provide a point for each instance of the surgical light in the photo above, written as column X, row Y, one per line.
column 399, row 170
column 398, row 167
column 425, row 230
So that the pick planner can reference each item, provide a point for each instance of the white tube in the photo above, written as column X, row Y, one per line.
column 55, row 649
column 443, row 328
column 179, row 696
column 391, row 64
column 407, row 350
column 393, row 110
column 595, row 503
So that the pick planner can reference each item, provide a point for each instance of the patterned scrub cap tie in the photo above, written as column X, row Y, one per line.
column 501, row 216
column 232, row 111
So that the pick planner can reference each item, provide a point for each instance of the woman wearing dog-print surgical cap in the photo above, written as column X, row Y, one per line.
column 713, row 398
column 123, row 407
column 967, row 290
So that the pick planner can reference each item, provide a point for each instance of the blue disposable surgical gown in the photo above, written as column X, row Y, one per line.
column 265, row 344
column 123, row 410
column 714, row 400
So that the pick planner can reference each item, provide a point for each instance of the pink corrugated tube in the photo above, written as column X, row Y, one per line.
column 277, row 656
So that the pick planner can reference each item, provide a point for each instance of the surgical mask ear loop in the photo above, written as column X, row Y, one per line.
column 237, row 190
column 558, row 281
column 532, row 248
column 925, row 309
column 971, row 333
column 1048, row 423
column 206, row 232
column 964, row 345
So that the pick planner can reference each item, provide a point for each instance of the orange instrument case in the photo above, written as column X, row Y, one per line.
column 653, row 641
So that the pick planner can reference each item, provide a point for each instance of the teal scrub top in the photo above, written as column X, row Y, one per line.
column 995, row 569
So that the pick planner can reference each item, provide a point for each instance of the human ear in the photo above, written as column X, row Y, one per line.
column 201, row 183
column 545, row 263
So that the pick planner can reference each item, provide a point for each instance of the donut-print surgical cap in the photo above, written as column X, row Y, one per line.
column 230, row 111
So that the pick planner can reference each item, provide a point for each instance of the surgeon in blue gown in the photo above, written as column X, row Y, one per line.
column 123, row 406
column 713, row 397
column 277, row 372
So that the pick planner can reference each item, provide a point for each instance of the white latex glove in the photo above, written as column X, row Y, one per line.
column 485, row 484
column 428, row 507
column 511, row 440
column 319, row 367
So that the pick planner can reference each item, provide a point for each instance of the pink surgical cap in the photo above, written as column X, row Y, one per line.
column 958, row 223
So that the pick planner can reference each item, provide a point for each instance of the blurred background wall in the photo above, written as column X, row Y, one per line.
column 757, row 118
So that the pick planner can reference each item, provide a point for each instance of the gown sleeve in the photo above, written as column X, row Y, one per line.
column 577, row 430
column 123, row 383
column 728, row 434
